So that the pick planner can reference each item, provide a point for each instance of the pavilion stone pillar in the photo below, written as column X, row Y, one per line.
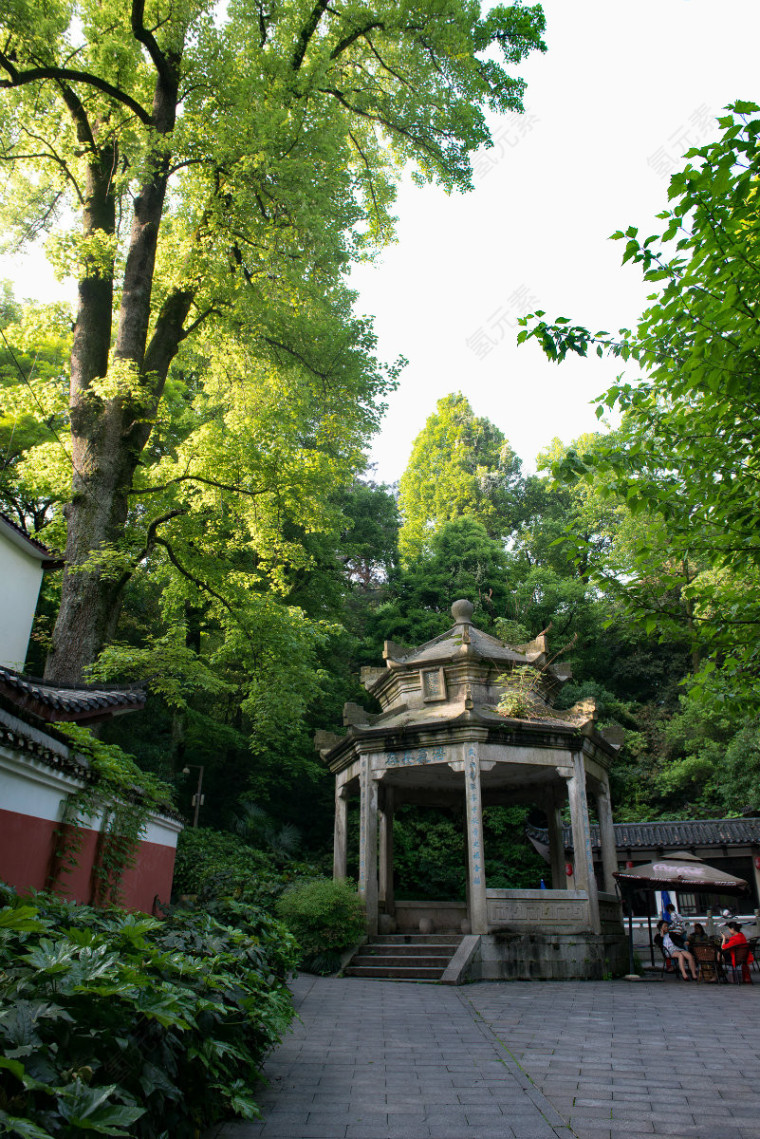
column 340, row 833
column 606, row 836
column 584, row 855
column 368, row 842
column 476, row 874
column 556, row 841
column 386, row 852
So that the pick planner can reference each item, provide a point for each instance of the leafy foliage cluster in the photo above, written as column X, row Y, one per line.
column 683, row 466
column 120, row 1024
column 326, row 916
column 212, row 864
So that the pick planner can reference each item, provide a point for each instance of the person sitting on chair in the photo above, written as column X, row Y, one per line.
column 680, row 955
column 733, row 936
column 697, row 937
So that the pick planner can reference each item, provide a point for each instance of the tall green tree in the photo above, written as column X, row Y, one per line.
column 461, row 464
column 461, row 561
column 212, row 173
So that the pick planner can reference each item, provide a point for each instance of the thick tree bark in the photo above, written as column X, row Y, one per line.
column 109, row 434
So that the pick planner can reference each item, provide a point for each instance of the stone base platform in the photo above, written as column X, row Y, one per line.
column 519, row 956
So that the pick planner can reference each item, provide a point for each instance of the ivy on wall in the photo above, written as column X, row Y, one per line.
column 119, row 796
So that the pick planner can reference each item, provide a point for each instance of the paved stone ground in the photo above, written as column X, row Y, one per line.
column 616, row 1058
column 592, row 1060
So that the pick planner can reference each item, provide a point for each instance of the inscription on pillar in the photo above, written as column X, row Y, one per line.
column 363, row 823
column 586, row 828
column 474, row 817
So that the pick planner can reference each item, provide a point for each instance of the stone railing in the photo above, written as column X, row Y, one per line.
column 444, row 917
column 560, row 911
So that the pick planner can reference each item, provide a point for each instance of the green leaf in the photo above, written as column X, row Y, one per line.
column 16, row 1125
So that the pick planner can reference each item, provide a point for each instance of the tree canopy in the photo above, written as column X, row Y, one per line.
column 207, row 176
column 461, row 464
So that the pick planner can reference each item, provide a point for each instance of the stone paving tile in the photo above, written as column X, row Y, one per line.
column 591, row 1060
column 687, row 1067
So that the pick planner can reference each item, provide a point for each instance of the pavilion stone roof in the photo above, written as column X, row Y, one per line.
column 449, row 645
column 454, row 677
column 669, row 834
column 52, row 702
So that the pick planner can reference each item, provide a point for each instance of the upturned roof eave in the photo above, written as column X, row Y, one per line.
column 59, row 702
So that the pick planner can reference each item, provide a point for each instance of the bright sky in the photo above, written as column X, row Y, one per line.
column 622, row 92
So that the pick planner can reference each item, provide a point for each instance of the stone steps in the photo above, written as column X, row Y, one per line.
column 404, row 957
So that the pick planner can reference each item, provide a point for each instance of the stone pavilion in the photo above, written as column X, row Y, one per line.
column 439, row 740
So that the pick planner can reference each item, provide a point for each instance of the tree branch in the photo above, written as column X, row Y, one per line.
column 150, row 541
column 296, row 356
column 370, row 179
column 66, row 75
column 393, row 128
column 165, row 71
column 352, row 37
column 206, row 482
column 191, row 577
column 307, row 32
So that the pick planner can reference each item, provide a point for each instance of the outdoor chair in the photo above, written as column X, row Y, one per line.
column 736, row 964
column 753, row 950
column 669, row 964
column 709, row 962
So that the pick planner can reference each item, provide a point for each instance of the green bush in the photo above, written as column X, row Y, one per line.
column 203, row 854
column 325, row 916
column 215, row 864
column 122, row 1025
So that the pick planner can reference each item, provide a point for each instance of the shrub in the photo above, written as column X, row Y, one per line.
column 325, row 916
column 122, row 1025
column 204, row 853
column 214, row 864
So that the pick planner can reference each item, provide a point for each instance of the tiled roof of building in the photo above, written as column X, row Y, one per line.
column 674, row 834
column 20, row 538
column 46, row 747
column 51, row 748
column 51, row 702
column 688, row 832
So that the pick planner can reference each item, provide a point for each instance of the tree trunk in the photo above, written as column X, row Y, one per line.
column 109, row 434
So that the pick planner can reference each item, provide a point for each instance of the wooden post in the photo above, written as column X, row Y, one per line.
column 756, row 872
column 556, row 843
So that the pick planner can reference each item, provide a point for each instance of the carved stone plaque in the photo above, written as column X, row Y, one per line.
column 433, row 684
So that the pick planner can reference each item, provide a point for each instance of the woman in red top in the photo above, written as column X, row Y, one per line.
column 733, row 937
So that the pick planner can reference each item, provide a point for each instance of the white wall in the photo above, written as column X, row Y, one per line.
column 20, row 579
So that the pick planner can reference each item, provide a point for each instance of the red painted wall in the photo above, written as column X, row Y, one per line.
column 26, row 845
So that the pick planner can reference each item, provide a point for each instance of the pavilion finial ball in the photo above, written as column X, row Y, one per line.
column 462, row 611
